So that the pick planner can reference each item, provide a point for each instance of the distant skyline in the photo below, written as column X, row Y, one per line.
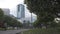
column 11, row 4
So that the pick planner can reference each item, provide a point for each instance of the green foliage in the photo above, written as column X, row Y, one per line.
column 54, row 24
column 42, row 31
column 1, row 17
column 36, row 23
column 9, row 20
column 12, row 21
column 40, row 6
column 1, row 14
column 46, row 10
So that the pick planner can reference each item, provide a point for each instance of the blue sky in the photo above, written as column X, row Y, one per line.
column 11, row 4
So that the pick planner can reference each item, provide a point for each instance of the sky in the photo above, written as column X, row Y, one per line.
column 12, row 4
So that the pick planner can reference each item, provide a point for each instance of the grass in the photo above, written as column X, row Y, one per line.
column 42, row 31
column 1, row 28
column 7, row 29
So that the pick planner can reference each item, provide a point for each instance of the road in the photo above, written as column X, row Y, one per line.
column 12, row 31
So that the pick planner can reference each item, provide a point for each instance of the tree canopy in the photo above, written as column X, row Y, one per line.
column 1, row 14
column 42, row 6
column 9, row 20
column 12, row 21
column 46, row 10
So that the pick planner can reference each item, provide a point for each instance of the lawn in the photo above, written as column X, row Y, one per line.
column 1, row 28
column 7, row 29
column 43, row 31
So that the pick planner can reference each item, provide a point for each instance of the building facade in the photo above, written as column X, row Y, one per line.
column 6, row 11
column 20, row 11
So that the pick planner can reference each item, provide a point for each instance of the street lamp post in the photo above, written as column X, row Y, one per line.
column 31, row 17
column 31, row 20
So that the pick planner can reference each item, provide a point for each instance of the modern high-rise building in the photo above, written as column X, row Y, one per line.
column 6, row 11
column 20, row 11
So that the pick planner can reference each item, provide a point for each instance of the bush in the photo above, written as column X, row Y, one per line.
column 42, row 31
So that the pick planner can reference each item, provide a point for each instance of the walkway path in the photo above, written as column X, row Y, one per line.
column 12, row 31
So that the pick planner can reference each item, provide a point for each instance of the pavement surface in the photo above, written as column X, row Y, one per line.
column 12, row 31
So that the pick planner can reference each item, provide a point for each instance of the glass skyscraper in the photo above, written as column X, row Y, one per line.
column 20, row 11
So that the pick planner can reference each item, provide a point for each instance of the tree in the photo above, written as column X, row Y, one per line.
column 41, row 6
column 46, row 10
column 1, row 18
column 12, row 21
column 8, row 20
